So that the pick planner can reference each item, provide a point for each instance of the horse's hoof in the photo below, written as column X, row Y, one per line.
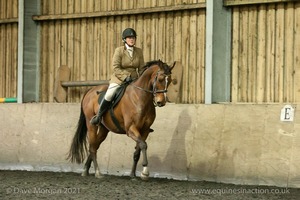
column 145, row 174
column 133, row 178
column 144, row 177
column 84, row 174
column 98, row 175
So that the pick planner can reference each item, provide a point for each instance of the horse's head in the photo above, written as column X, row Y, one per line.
column 161, row 79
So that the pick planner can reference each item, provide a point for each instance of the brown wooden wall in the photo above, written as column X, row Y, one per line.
column 265, row 44
column 8, row 48
column 86, row 44
column 265, row 53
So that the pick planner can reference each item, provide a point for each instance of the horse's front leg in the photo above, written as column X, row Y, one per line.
column 140, row 147
column 145, row 172
column 136, row 157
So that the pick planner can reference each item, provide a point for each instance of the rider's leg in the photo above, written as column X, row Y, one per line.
column 105, row 103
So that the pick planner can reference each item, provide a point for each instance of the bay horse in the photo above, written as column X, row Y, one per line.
column 135, row 113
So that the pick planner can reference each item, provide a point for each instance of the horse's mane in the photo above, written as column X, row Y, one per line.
column 160, row 63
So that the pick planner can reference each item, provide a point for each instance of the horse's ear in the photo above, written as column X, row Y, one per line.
column 173, row 66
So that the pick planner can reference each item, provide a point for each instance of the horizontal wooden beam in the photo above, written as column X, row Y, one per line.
column 246, row 2
column 83, row 83
column 9, row 21
column 120, row 12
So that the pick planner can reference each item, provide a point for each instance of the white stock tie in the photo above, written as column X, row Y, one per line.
column 130, row 51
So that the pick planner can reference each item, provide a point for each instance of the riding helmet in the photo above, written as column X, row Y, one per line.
column 128, row 32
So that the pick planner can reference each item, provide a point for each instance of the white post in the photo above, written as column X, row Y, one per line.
column 209, row 51
column 20, row 51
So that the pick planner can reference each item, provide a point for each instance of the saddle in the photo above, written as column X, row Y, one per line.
column 116, row 98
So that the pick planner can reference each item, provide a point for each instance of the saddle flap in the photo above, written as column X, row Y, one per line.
column 117, row 96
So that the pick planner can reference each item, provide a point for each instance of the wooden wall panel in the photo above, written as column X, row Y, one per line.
column 249, row 2
column 87, row 45
column 265, row 65
column 9, row 47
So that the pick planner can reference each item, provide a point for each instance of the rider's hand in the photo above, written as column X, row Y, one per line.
column 128, row 79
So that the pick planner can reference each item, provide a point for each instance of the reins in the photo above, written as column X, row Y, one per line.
column 154, row 91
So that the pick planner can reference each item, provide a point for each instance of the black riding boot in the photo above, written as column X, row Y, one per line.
column 102, row 108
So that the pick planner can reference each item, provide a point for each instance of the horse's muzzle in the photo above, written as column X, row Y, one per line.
column 160, row 104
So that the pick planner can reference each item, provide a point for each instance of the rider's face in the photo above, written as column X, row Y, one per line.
column 130, row 41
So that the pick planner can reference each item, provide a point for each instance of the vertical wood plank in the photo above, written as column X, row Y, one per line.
column 96, row 48
column 261, row 55
column 252, row 56
column 279, row 59
column 147, row 37
column 3, row 46
column 289, row 53
column 169, row 37
column 103, row 49
column 58, row 44
column 2, row 60
column 90, row 43
column 139, row 28
column 235, row 55
column 297, row 53
column 161, row 36
column 192, row 57
column 270, row 53
column 154, row 27
column 8, row 66
column 185, row 53
column 111, row 45
column 200, row 51
column 3, row 7
column 243, row 90
column 177, row 41
column 14, row 57
column 64, row 34
column 75, row 71
column 44, row 54
column 83, row 68
column 83, row 41
column 52, row 62
column 70, row 44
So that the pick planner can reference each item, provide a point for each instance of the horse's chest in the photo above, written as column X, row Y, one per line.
column 145, row 114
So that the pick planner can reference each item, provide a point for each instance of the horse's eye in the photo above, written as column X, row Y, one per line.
column 161, row 79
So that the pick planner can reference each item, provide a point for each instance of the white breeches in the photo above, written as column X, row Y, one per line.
column 111, row 91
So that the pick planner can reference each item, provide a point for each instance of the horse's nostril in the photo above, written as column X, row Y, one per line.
column 160, row 104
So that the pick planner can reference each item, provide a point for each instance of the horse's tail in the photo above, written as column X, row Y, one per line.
column 78, row 148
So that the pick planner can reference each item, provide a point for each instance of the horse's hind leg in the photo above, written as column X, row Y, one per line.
column 87, row 166
column 95, row 139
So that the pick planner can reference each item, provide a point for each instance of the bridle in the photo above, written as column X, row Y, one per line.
column 154, row 91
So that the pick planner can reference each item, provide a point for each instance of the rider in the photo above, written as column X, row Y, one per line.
column 128, row 61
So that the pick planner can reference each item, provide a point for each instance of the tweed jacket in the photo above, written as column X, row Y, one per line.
column 124, row 65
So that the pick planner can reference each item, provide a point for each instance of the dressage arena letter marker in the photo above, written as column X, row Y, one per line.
column 287, row 113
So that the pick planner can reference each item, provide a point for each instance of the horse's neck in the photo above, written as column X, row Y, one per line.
column 144, row 81
column 145, row 84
